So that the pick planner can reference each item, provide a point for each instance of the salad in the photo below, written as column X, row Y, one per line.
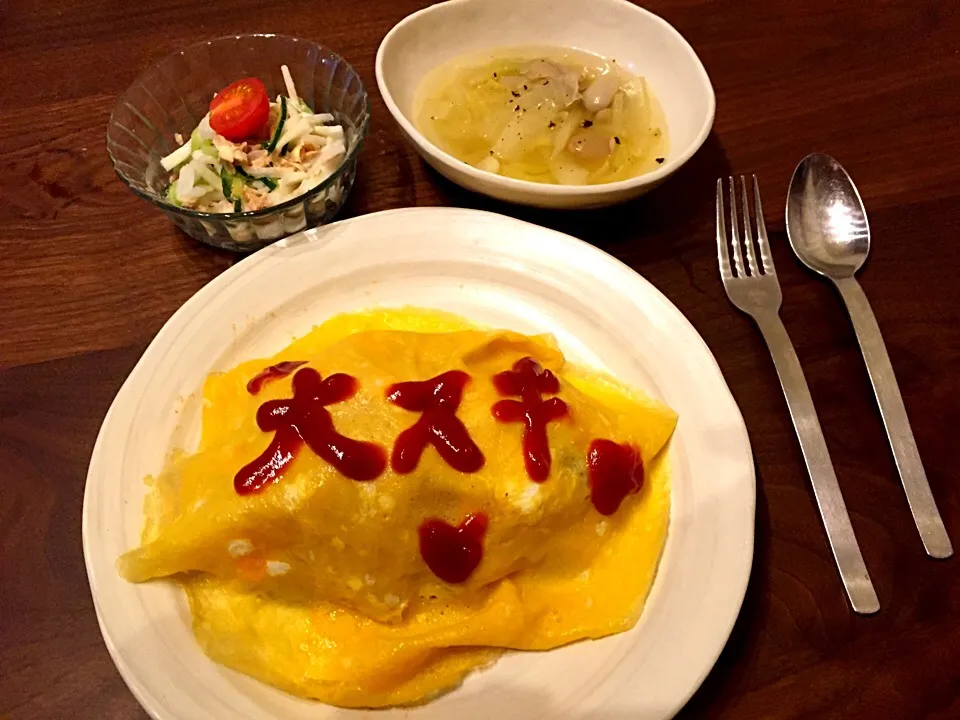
column 249, row 153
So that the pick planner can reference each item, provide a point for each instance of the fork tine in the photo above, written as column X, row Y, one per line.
column 762, row 239
column 723, row 248
column 734, row 230
column 747, row 232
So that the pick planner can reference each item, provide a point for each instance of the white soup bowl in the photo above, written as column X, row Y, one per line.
column 641, row 42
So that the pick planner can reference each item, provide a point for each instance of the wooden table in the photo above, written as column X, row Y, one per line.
column 89, row 273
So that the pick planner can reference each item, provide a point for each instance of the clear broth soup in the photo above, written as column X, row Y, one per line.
column 548, row 115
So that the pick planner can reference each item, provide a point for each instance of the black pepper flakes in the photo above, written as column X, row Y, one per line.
column 587, row 123
column 517, row 109
column 491, row 152
column 616, row 139
column 524, row 87
column 515, row 93
column 660, row 161
column 552, row 124
column 545, row 82
column 494, row 74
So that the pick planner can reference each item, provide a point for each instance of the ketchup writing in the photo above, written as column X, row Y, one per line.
column 437, row 399
column 528, row 380
column 305, row 419
column 274, row 372
column 453, row 553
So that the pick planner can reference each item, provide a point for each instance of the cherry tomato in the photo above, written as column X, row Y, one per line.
column 241, row 110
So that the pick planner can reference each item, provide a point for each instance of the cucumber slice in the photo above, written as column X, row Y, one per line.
column 171, row 194
column 202, row 144
column 270, row 182
column 272, row 145
column 231, row 183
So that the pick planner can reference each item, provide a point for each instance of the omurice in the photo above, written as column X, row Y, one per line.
column 397, row 497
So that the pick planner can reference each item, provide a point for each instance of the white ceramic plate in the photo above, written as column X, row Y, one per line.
column 638, row 40
column 499, row 272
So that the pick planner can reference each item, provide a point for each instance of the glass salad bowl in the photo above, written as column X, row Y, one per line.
column 172, row 98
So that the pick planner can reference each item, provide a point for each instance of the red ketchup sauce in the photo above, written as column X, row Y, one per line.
column 305, row 419
column 453, row 553
column 437, row 399
column 274, row 372
column 613, row 472
column 529, row 380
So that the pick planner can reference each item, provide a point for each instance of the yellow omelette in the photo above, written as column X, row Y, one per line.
column 340, row 554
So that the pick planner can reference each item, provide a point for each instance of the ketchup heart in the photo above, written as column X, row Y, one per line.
column 453, row 552
column 613, row 471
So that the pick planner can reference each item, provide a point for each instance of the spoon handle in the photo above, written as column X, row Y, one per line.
column 904, row 446
column 823, row 479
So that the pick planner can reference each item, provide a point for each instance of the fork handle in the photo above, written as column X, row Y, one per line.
column 826, row 490
column 894, row 414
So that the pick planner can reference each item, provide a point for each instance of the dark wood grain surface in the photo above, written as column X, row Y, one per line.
column 89, row 273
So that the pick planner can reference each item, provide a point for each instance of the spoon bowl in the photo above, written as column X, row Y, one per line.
column 827, row 223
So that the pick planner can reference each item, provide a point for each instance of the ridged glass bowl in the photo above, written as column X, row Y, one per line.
column 173, row 96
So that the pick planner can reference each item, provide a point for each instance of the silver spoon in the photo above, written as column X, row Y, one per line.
column 827, row 227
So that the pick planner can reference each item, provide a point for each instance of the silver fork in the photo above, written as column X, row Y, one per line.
column 755, row 290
